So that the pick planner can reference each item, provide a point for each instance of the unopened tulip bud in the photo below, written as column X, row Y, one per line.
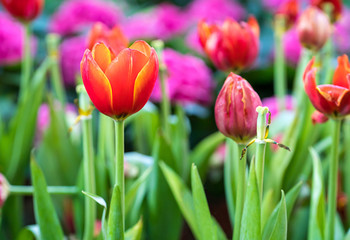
column 235, row 109
column 318, row 118
column 314, row 28
column 25, row 10
column 4, row 190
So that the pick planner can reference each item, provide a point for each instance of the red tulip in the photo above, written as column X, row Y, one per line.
column 25, row 10
column 313, row 28
column 231, row 46
column 112, row 38
column 120, row 86
column 289, row 10
column 333, row 100
column 235, row 109
column 337, row 7
column 318, row 118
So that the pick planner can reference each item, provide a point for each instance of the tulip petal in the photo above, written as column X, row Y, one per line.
column 101, row 55
column 122, row 73
column 96, row 84
column 142, row 46
column 254, row 25
column 332, row 93
column 342, row 72
column 145, row 81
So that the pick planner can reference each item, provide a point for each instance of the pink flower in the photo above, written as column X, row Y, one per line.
column 189, row 80
column 342, row 32
column 4, row 190
column 292, row 47
column 162, row 22
column 72, row 49
column 272, row 104
column 77, row 15
column 11, row 39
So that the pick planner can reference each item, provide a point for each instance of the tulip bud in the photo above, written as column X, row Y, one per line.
column 25, row 10
column 235, row 109
column 4, row 189
column 336, row 6
column 289, row 10
column 314, row 28
column 318, row 118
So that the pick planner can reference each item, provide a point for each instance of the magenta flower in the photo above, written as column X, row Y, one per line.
column 78, row 15
column 272, row 104
column 162, row 22
column 292, row 47
column 11, row 39
column 342, row 32
column 189, row 80
column 4, row 190
column 72, row 49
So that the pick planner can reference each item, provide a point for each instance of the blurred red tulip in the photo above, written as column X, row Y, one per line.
column 318, row 118
column 337, row 7
column 120, row 86
column 235, row 109
column 231, row 46
column 313, row 28
column 112, row 38
column 333, row 100
column 25, row 10
column 289, row 10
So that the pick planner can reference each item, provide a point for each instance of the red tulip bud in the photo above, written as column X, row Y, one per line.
column 25, row 10
column 318, row 118
column 314, row 28
column 4, row 189
column 235, row 109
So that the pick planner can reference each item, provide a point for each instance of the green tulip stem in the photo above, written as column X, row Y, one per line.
column 332, row 181
column 280, row 79
column 88, row 161
column 26, row 62
column 347, row 165
column 52, row 42
column 240, row 195
column 119, row 174
column 57, row 190
column 260, row 148
column 165, row 104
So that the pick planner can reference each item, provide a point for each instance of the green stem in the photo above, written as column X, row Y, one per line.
column 119, row 174
column 89, row 171
column 279, row 64
column 101, row 177
column 52, row 42
column 26, row 62
column 58, row 190
column 298, row 88
column 347, row 166
column 240, row 195
column 332, row 181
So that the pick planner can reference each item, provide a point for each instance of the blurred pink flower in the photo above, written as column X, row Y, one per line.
column 342, row 32
column 273, row 5
column 292, row 47
column 272, row 104
column 4, row 189
column 12, row 40
column 162, row 22
column 189, row 80
column 75, row 16
column 72, row 49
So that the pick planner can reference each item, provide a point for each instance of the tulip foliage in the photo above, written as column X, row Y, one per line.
column 166, row 136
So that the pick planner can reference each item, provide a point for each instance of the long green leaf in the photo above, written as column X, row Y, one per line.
column 31, row 232
column 317, row 219
column 347, row 237
column 251, row 218
column 45, row 214
column 135, row 233
column 115, row 228
column 280, row 230
column 203, row 216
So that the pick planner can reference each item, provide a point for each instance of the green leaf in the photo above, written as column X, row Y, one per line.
column 204, row 150
column 251, row 217
column 30, row 232
column 280, row 230
column 132, row 192
column 219, row 232
column 115, row 228
column 103, row 203
column 317, row 219
column 182, row 196
column 45, row 214
column 347, row 236
column 291, row 197
column 135, row 233
column 203, row 216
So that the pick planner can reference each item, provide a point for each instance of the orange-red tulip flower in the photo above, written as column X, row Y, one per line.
column 290, row 11
column 232, row 45
column 25, row 10
column 337, row 6
column 235, row 109
column 112, row 38
column 120, row 86
column 333, row 100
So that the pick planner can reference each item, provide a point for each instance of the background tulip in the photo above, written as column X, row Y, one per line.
column 314, row 28
column 4, row 189
column 333, row 100
column 235, row 109
column 232, row 45
column 25, row 10
column 121, row 86
column 337, row 6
